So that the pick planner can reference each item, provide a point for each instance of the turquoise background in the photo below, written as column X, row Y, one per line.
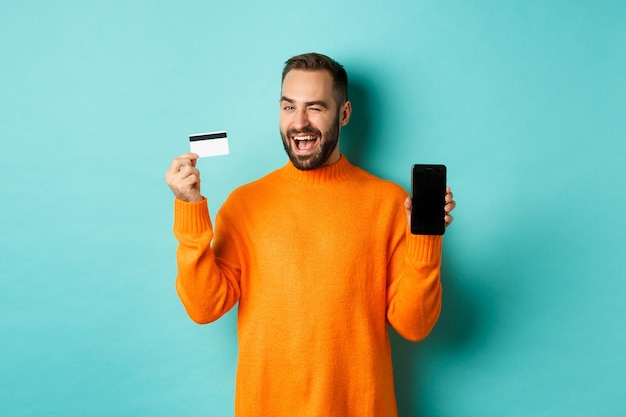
column 524, row 101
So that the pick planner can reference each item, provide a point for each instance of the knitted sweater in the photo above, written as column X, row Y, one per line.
column 320, row 262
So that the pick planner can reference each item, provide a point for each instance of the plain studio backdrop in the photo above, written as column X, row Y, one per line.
column 524, row 101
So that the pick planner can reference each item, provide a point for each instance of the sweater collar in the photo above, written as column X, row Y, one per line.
column 331, row 173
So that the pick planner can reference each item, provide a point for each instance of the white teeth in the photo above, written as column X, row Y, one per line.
column 304, row 138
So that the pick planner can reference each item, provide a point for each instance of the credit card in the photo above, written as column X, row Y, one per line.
column 209, row 144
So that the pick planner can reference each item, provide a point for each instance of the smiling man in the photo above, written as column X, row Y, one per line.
column 320, row 258
column 311, row 116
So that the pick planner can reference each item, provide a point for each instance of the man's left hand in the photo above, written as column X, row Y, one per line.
column 450, row 205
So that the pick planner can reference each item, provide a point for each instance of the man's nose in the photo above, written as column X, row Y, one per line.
column 301, row 119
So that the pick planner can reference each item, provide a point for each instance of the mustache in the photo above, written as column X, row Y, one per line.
column 306, row 130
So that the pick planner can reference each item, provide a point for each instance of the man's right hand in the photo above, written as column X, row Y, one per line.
column 184, row 179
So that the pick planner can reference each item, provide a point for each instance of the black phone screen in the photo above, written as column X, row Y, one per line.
column 428, row 187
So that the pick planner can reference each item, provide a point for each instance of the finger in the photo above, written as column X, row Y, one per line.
column 408, row 203
column 184, row 187
column 177, row 164
column 189, row 182
column 180, row 176
column 194, row 159
column 186, row 159
column 187, row 171
column 450, row 206
column 188, row 155
column 191, row 158
column 448, row 219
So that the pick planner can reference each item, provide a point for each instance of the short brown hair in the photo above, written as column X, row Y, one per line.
column 313, row 61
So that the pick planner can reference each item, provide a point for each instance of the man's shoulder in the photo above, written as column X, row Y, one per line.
column 258, row 183
column 373, row 180
column 246, row 199
column 255, row 188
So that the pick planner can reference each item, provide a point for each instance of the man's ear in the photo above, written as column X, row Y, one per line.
column 345, row 113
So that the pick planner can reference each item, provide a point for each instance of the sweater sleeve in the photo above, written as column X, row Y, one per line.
column 414, row 297
column 206, row 289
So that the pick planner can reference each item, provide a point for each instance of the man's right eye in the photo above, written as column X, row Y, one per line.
column 288, row 108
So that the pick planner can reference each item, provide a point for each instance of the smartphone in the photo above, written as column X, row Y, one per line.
column 428, row 191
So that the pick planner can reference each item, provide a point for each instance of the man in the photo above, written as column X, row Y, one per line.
column 319, row 256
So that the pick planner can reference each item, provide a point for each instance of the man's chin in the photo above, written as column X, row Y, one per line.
column 311, row 160
column 303, row 163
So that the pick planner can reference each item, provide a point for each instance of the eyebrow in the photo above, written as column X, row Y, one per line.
column 308, row 103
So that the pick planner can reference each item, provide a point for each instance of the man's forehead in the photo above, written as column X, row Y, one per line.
column 313, row 84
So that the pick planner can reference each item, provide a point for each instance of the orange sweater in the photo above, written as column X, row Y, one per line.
column 319, row 261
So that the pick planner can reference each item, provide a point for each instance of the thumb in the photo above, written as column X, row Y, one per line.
column 408, row 204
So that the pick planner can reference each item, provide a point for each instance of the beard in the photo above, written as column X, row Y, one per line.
column 327, row 142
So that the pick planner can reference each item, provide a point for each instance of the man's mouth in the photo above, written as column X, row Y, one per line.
column 304, row 143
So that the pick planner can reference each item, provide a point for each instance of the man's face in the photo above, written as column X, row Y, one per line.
column 310, row 119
